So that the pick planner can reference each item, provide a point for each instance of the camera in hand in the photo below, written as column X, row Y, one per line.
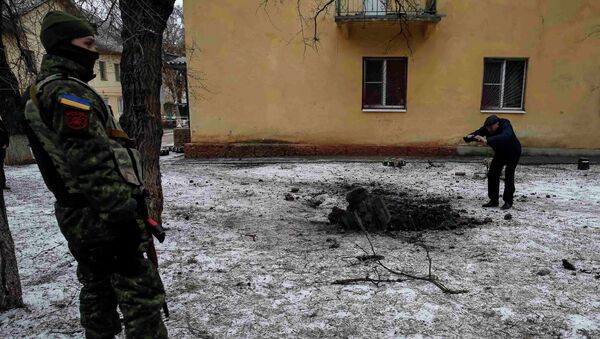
column 469, row 139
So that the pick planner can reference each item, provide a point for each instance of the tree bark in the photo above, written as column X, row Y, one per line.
column 144, row 22
column 10, row 285
column 18, row 152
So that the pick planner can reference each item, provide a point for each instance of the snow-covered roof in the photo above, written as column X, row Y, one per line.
column 108, row 39
column 25, row 6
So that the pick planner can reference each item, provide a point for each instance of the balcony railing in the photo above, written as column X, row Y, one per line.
column 385, row 10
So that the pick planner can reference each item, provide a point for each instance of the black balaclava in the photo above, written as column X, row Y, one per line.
column 59, row 29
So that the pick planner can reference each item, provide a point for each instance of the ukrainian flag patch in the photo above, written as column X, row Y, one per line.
column 75, row 102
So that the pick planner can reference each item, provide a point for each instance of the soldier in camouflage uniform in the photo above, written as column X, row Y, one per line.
column 85, row 160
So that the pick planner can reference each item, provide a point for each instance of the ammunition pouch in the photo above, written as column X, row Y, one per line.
column 128, row 163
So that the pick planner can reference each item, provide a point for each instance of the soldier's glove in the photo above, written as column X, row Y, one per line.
column 152, row 225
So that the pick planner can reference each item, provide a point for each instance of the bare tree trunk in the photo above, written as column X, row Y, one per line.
column 10, row 285
column 10, row 99
column 144, row 22
column 18, row 153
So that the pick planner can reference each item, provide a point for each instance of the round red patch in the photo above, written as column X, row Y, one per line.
column 77, row 120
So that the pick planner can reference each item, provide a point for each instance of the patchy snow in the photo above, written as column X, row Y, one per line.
column 241, row 261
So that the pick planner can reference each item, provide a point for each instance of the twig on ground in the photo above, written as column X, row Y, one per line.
column 429, row 277
column 45, row 251
column 365, row 279
column 370, row 257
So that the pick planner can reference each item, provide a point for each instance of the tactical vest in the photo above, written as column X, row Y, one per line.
column 127, row 160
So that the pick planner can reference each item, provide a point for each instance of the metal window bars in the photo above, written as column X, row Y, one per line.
column 385, row 8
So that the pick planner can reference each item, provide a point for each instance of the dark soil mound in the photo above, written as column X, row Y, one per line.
column 384, row 210
column 413, row 213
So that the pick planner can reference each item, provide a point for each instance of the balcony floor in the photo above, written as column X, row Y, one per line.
column 360, row 17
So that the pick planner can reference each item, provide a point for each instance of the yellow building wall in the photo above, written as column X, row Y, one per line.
column 109, row 88
column 32, row 23
column 251, row 77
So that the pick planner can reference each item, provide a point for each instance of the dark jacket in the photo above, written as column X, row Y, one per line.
column 504, row 141
column 4, row 136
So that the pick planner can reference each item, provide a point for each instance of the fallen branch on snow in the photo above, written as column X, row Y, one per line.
column 377, row 258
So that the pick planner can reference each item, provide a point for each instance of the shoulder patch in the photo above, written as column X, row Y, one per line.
column 76, row 120
column 74, row 102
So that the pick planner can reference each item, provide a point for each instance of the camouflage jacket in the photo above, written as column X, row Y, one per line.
column 79, row 146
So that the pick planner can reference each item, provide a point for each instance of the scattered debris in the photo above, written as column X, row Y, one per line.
column 394, row 163
column 317, row 200
column 583, row 164
column 431, row 164
column 288, row 166
column 568, row 265
column 372, row 257
column 334, row 243
column 253, row 236
column 295, row 190
column 508, row 216
column 460, row 174
column 543, row 272
column 289, row 197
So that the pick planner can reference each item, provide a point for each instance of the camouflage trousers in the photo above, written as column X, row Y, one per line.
column 113, row 272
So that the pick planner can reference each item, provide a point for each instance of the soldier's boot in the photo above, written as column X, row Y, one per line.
column 140, row 295
column 97, row 304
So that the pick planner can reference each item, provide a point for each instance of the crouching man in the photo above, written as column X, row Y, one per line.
column 499, row 135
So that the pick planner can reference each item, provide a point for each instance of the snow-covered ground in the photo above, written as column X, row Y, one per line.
column 241, row 261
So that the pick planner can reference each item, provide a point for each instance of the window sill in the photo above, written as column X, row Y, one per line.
column 503, row 111
column 384, row 110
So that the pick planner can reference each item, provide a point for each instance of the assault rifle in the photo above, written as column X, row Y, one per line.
column 156, row 231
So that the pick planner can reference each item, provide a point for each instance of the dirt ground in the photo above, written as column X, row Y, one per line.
column 241, row 261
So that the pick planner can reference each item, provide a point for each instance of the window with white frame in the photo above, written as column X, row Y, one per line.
column 504, row 84
column 118, row 72
column 375, row 7
column 102, row 66
column 384, row 83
